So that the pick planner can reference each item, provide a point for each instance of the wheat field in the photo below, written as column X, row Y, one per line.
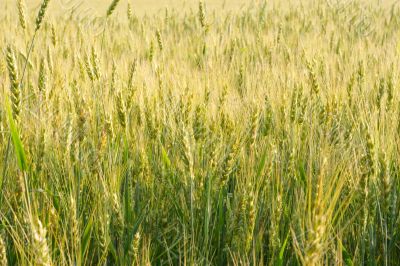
column 199, row 133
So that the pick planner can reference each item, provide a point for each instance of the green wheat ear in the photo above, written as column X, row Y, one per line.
column 42, row 12
column 202, row 15
column 159, row 40
column 53, row 35
column 42, row 76
column 112, row 7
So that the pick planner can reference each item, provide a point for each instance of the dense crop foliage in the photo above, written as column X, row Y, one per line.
column 265, row 135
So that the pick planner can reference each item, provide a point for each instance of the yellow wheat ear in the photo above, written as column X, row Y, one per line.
column 14, row 88
column 42, row 252
column 3, row 253
column 21, row 13
column 129, row 12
